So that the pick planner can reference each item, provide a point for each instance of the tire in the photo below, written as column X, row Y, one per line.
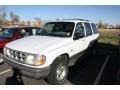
column 16, row 72
column 93, row 48
column 93, row 51
column 118, row 78
column 59, row 71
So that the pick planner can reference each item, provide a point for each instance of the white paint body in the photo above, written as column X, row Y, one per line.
column 51, row 47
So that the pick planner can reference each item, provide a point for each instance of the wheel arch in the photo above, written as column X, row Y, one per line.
column 65, row 55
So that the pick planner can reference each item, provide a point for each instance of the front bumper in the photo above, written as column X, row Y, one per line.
column 28, row 71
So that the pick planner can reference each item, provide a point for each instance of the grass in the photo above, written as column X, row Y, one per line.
column 111, row 36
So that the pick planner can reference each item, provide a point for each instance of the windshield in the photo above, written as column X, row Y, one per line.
column 8, row 33
column 57, row 29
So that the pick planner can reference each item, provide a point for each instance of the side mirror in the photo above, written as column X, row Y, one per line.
column 78, row 36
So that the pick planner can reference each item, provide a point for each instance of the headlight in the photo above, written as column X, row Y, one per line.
column 35, row 60
column 6, row 51
column 30, row 59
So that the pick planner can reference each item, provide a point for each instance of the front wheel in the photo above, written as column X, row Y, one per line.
column 59, row 71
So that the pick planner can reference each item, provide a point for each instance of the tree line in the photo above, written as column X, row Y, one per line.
column 102, row 25
column 15, row 19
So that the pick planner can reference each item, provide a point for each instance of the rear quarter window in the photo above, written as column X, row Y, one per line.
column 95, row 30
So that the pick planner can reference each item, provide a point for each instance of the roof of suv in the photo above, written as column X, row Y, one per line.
column 74, row 20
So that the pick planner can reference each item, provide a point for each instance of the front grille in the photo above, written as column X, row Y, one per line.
column 17, row 55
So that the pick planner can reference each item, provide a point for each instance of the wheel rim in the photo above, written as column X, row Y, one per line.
column 1, row 60
column 61, row 72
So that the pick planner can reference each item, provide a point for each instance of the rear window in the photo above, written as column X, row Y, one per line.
column 95, row 31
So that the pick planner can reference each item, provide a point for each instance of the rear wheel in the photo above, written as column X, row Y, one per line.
column 59, row 71
column 93, row 48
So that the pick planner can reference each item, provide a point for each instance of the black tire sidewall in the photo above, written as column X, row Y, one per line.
column 52, row 78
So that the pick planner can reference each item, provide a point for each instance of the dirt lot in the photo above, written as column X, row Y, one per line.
column 110, row 36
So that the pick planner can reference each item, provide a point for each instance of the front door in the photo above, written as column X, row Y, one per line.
column 78, row 44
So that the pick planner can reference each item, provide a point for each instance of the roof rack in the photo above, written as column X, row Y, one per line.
column 77, row 19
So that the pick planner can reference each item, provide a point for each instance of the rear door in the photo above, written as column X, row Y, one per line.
column 89, row 34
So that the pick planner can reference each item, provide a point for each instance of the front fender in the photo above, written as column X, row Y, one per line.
column 51, row 56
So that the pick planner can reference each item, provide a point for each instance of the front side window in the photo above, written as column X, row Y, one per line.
column 80, row 28
column 79, row 31
column 57, row 29
column 88, row 29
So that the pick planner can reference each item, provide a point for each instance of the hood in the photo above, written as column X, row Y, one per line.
column 35, row 44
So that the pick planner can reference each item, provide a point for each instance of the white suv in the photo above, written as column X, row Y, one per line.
column 56, row 46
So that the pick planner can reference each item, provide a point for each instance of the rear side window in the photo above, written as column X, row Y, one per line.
column 88, row 29
column 95, row 31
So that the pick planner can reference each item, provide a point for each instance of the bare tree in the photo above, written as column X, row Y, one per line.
column 38, row 22
column 16, row 18
column 117, row 26
column 100, row 24
column 37, row 19
column 28, row 23
column 2, row 15
column 22, row 23
column 11, row 16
